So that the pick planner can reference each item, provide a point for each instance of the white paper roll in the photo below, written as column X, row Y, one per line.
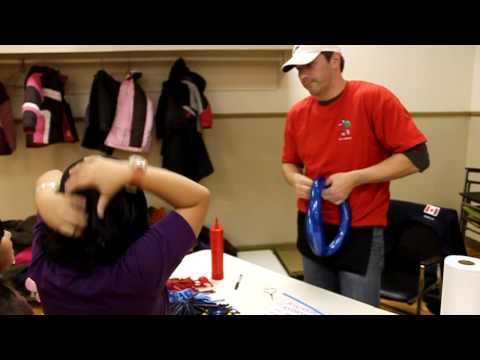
column 461, row 286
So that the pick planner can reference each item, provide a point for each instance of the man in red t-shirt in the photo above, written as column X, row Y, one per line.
column 359, row 137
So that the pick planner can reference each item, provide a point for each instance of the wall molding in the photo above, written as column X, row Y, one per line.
column 422, row 114
column 226, row 116
column 427, row 114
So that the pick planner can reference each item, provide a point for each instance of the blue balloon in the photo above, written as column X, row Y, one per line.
column 314, row 223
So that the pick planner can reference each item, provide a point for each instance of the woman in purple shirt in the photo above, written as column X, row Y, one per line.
column 93, row 251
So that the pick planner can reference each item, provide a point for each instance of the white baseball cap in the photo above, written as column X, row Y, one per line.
column 305, row 54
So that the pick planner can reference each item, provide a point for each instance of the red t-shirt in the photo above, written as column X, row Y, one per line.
column 363, row 127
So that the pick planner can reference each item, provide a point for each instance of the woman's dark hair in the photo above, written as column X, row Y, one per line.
column 2, row 231
column 103, row 241
column 11, row 303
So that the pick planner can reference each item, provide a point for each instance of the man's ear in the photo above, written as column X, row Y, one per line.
column 336, row 60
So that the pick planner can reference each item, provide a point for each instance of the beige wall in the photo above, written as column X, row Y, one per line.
column 473, row 153
column 249, row 194
column 475, row 99
column 443, row 181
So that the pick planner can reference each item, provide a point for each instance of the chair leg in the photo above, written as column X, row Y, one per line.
column 421, row 289
column 419, row 305
column 393, row 309
column 439, row 278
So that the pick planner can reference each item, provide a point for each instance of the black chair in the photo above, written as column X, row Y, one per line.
column 417, row 239
column 413, row 266
column 470, row 199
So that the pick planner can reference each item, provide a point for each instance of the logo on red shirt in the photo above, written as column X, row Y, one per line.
column 345, row 130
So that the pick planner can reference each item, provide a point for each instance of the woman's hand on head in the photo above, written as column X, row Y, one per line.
column 70, row 214
column 108, row 176
column 65, row 213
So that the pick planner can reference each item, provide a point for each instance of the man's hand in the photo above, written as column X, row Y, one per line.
column 340, row 186
column 303, row 186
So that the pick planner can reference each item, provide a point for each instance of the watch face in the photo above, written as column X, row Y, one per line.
column 138, row 162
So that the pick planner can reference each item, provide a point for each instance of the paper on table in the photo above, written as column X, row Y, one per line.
column 289, row 305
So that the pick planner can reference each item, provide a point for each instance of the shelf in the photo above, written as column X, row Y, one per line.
column 471, row 196
column 472, row 230
column 242, row 80
column 84, row 49
column 66, row 55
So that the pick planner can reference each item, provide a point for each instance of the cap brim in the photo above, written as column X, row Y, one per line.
column 299, row 59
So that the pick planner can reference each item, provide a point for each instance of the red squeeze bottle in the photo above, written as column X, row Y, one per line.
column 216, row 244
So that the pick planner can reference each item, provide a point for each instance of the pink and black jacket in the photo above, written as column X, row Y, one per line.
column 47, row 117
column 8, row 141
column 101, row 110
column 133, row 123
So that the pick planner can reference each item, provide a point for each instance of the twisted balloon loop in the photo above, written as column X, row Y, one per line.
column 314, row 224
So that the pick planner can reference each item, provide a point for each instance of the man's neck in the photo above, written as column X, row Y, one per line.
column 335, row 90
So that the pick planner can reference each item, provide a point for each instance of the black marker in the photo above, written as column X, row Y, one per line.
column 238, row 282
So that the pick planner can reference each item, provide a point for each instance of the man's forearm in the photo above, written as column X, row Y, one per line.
column 395, row 167
column 175, row 189
column 289, row 171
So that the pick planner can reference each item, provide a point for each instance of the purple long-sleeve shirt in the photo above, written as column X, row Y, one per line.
column 134, row 285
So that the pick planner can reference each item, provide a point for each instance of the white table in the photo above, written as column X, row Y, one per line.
column 251, row 299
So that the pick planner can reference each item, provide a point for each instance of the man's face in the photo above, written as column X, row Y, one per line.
column 316, row 77
column 7, row 255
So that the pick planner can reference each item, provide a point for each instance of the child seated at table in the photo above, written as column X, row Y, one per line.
column 11, row 303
